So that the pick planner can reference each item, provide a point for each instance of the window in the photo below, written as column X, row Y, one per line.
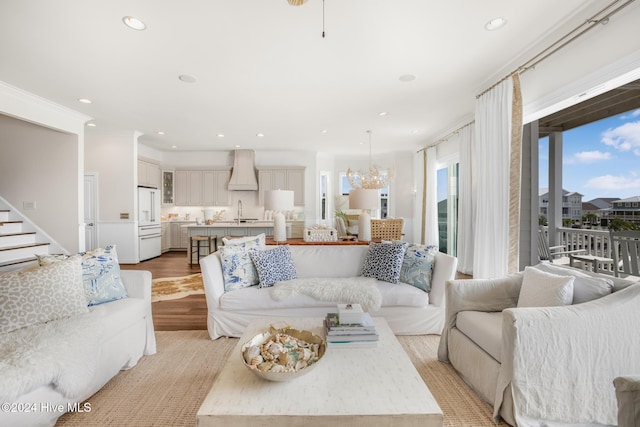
column 447, row 197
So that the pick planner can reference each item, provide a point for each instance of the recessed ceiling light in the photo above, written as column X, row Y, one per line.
column 324, row 131
column 383, row 113
column 495, row 23
column 187, row 78
column 260, row 135
column 84, row 100
column 160, row 133
column 174, row 146
column 237, row 146
column 134, row 23
column 221, row 135
column 91, row 124
column 407, row 78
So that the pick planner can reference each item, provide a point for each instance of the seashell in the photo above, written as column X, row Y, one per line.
column 277, row 368
column 301, row 364
column 284, row 359
column 256, row 360
column 275, row 348
column 306, row 354
column 265, row 366
column 251, row 352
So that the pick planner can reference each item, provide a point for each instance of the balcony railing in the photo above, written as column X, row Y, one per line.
column 594, row 242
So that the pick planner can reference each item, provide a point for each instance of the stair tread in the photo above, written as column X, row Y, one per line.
column 17, row 261
column 27, row 245
column 21, row 233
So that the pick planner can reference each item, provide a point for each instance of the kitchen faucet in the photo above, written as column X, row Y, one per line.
column 239, row 210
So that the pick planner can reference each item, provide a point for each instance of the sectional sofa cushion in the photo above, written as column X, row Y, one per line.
column 483, row 328
column 41, row 295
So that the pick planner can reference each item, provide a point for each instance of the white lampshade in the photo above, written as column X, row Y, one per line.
column 364, row 199
column 278, row 200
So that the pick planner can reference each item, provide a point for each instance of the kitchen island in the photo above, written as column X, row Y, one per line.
column 222, row 229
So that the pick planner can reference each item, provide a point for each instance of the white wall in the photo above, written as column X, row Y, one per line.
column 40, row 165
column 114, row 158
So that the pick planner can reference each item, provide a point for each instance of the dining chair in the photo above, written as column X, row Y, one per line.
column 387, row 229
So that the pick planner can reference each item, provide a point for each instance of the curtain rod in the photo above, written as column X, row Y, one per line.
column 563, row 41
column 447, row 136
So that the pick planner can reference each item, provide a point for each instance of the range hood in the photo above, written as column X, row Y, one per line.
column 243, row 174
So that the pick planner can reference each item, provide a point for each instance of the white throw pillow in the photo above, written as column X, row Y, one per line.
column 260, row 239
column 586, row 287
column 541, row 289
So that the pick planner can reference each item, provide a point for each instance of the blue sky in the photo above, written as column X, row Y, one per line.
column 601, row 159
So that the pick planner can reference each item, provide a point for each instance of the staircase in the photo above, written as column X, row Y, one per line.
column 18, row 245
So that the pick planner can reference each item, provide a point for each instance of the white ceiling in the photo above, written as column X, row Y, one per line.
column 262, row 66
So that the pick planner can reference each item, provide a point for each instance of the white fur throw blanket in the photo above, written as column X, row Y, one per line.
column 62, row 352
column 356, row 290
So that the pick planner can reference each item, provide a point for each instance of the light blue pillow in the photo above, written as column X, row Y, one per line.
column 384, row 261
column 238, row 270
column 274, row 265
column 417, row 266
column 101, row 276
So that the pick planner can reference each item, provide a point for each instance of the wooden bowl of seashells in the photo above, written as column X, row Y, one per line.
column 283, row 354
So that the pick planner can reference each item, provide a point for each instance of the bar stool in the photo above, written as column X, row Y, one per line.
column 211, row 240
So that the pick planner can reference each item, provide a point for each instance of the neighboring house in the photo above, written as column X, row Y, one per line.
column 571, row 204
column 626, row 210
column 599, row 207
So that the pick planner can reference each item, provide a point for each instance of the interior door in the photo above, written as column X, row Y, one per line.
column 90, row 211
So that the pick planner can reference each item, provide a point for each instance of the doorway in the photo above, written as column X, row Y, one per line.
column 90, row 210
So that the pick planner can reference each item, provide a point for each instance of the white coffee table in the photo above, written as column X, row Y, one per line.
column 376, row 386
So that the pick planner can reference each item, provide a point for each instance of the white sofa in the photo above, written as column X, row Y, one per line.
column 125, row 334
column 408, row 310
column 543, row 366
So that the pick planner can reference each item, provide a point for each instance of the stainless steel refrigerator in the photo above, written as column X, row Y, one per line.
column 149, row 229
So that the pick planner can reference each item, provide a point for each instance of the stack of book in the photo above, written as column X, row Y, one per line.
column 361, row 334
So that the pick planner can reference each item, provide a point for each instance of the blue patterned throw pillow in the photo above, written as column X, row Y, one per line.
column 274, row 265
column 100, row 274
column 417, row 266
column 384, row 261
column 238, row 270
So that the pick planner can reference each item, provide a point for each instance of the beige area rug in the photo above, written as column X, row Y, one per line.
column 168, row 288
column 167, row 389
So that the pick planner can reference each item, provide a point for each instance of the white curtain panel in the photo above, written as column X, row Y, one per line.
column 418, row 167
column 431, row 214
column 466, row 199
column 493, row 142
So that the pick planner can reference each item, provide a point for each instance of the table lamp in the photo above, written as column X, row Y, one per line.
column 365, row 199
column 279, row 201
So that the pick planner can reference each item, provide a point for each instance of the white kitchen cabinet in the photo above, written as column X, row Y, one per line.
column 282, row 178
column 202, row 187
column 165, row 236
column 148, row 174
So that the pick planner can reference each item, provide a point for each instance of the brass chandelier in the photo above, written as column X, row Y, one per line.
column 375, row 178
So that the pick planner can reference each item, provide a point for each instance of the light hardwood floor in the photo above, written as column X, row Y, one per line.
column 181, row 314
column 187, row 313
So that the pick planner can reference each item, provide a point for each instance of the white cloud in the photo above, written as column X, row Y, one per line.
column 611, row 182
column 631, row 115
column 588, row 157
column 623, row 138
